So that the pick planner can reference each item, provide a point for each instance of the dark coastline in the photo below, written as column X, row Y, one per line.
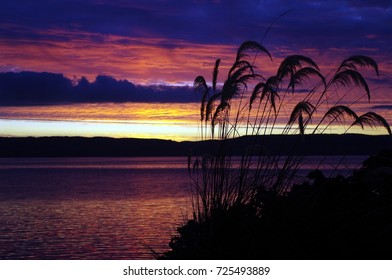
column 348, row 144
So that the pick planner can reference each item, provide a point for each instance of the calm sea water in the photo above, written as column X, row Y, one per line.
column 99, row 208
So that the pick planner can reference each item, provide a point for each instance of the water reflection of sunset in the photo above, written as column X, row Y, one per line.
column 94, row 208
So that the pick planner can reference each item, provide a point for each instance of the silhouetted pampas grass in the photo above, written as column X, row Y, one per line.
column 232, row 196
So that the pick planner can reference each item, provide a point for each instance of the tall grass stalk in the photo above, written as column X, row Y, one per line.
column 251, row 105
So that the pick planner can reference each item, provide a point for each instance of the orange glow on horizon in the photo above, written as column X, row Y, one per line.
column 135, row 120
column 177, row 122
column 159, row 113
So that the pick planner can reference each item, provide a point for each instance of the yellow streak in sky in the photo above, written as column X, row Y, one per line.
column 138, row 120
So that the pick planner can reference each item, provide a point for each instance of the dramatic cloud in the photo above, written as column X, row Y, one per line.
column 30, row 88
column 171, row 42
column 144, row 60
column 228, row 22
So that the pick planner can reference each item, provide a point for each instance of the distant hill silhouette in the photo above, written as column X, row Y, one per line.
column 348, row 144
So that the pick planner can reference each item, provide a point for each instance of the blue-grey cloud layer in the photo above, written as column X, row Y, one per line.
column 31, row 88
column 317, row 24
column 322, row 25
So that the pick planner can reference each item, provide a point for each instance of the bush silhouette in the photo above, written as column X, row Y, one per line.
column 328, row 218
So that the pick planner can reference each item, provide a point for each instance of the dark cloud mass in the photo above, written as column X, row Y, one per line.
column 358, row 27
column 340, row 23
column 31, row 88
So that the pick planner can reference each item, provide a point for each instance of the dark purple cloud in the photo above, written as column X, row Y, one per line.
column 31, row 88
column 322, row 27
column 322, row 24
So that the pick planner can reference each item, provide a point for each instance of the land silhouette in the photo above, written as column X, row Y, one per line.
column 327, row 144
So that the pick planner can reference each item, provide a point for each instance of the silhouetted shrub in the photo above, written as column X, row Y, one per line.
column 328, row 218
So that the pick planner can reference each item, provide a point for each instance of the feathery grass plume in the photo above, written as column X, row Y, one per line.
column 303, row 74
column 360, row 60
column 256, row 91
column 210, row 105
column 239, row 75
column 337, row 113
column 200, row 84
column 271, row 89
column 236, row 84
column 291, row 63
column 348, row 76
column 215, row 75
column 373, row 120
column 241, row 64
column 250, row 45
column 297, row 114
column 238, row 71
column 224, row 105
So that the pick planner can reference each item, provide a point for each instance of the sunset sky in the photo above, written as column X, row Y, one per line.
column 159, row 47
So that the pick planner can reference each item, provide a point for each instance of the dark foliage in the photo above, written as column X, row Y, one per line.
column 324, row 218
